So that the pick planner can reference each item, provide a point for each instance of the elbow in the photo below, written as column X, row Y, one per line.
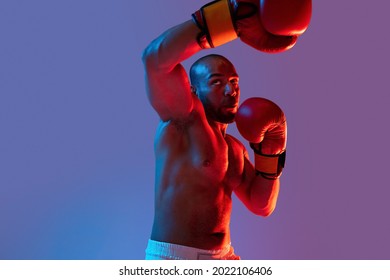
column 263, row 212
column 147, row 56
column 152, row 56
column 265, row 208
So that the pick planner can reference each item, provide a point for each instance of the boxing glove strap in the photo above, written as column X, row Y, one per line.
column 215, row 21
column 269, row 166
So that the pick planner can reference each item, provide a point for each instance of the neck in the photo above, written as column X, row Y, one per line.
column 221, row 127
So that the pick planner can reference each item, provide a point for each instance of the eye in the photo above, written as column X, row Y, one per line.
column 216, row 82
column 234, row 81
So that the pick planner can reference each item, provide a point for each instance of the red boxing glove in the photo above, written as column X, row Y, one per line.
column 263, row 124
column 285, row 17
column 266, row 25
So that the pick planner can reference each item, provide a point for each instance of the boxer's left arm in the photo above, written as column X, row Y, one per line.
column 258, row 193
column 263, row 124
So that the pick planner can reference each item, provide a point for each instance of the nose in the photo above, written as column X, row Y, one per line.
column 230, row 90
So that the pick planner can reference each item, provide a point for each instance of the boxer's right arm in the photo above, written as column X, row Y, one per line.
column 167, row 83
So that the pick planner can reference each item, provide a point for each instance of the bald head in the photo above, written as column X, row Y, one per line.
column 214, row 81
column 200, row 66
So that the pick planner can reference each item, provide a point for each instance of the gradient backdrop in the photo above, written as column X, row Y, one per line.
column 76, row 131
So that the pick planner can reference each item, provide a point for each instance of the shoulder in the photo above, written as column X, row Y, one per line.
column 233, row 139
column 235, row 143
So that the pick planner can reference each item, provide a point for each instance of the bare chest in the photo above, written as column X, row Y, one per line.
column 204, row 156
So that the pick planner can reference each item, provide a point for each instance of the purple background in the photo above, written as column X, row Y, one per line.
column 76, row 131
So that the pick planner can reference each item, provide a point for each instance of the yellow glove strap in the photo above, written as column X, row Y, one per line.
column 218, row 19
column 268, row 165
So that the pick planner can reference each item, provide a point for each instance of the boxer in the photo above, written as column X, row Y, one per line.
column 198, row 165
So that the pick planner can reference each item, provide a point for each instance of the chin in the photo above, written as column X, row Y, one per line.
column 229, row 118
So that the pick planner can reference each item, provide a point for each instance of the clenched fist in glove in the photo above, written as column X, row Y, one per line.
column 263, row 124
column 266, row 25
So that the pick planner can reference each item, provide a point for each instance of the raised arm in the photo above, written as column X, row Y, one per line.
column 267, row 26
column 167, row 83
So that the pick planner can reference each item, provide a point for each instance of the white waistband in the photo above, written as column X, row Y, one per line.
column 163, row 250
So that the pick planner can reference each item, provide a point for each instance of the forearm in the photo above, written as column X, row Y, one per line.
column 258, row 193
column 172, row 47
column 263, row 194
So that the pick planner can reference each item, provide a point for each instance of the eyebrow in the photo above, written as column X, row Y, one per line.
column 219, row 75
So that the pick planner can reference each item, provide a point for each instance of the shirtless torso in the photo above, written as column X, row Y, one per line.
column 198, row 169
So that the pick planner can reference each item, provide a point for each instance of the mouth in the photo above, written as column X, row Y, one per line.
column 231, row 108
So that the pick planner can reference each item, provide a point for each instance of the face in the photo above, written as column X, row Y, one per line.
column 217, row 87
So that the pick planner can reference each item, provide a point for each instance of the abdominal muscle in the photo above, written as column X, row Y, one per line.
column 193, row 219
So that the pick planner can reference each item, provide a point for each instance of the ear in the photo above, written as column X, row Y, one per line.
column 193, row 90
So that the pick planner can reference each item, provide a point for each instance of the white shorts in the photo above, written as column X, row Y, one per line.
column 157, row 250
